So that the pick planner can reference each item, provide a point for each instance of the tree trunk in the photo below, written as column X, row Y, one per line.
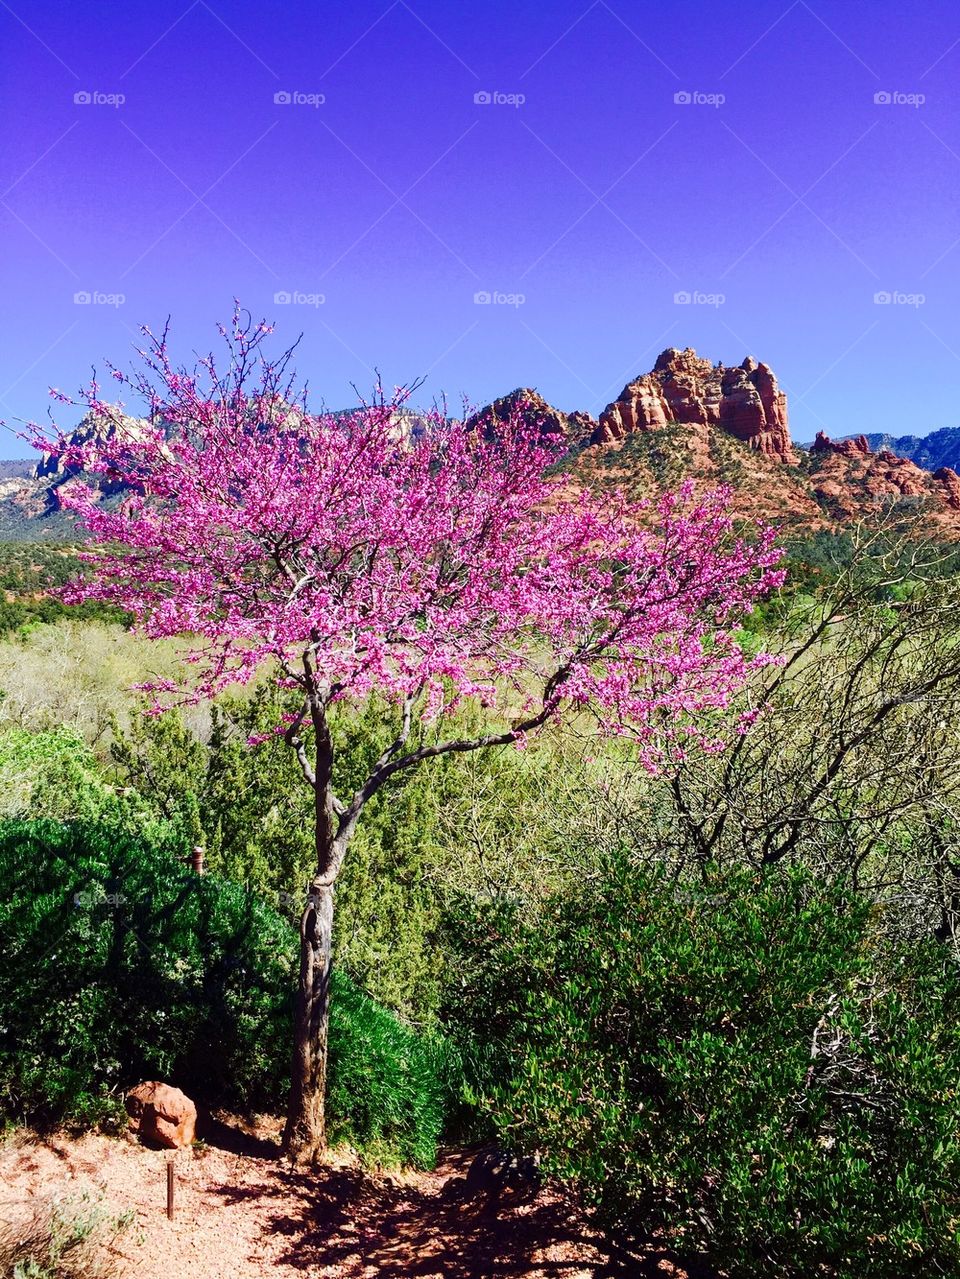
column 305, row 1135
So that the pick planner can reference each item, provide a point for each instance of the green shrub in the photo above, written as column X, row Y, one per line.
column 744, row 1065
column 52, row 773
column 478, row 823
column 119, row 964
column 389, row 1088
column 67, row 1239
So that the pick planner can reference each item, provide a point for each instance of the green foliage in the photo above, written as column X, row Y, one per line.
column 117, row 964
column 389, row 1089
column 477, row 823
column 249, row 806
column 665, row 452
column 743, row 1064
column 31, row 576
column 50, row 774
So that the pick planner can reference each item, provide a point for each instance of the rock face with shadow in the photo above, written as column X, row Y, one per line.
column 743, row 400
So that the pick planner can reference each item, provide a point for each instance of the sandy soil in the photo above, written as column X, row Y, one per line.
column 240, row 1214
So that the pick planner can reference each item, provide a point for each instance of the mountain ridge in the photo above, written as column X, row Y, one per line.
column 938, row 448
column 685, row 417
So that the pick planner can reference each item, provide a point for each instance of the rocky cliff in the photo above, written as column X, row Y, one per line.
column 848, row 476
column 744, row 400
column 729, row 425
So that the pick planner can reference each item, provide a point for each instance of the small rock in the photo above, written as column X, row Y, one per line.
column 495, row 1172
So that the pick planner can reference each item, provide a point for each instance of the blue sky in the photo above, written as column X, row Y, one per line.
column 584, row 165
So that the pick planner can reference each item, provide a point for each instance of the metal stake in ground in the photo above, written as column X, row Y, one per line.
column 170, row 1186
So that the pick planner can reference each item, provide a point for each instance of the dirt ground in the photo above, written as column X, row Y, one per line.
column 241, row 1214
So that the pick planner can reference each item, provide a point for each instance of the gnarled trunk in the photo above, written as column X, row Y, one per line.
column 305, row 1135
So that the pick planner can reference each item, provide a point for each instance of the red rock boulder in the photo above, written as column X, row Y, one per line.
column 161, row 1114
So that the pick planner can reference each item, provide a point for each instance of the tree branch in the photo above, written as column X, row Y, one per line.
column 387, row 765
column 293, row 739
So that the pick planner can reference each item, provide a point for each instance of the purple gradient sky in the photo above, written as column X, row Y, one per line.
column 399, row 198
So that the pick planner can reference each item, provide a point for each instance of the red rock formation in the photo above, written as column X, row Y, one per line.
column 535, row 410
column 949, row 482
column 856, row 447
column 581, row 426
column 853, row 480
column 744, row 401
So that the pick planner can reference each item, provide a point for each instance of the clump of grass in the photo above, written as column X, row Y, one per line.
column 68, row 1238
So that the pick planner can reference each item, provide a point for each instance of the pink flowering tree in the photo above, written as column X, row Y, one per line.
column 427, row 561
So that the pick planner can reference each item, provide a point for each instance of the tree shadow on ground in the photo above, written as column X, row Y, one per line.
column 341, row 1221
column 230, row 1137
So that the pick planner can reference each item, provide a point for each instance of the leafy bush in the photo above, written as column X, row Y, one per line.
column 389, row 1089
column 118, row 964
column 50, row 774
column 744, row 1065
column 490, row 821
